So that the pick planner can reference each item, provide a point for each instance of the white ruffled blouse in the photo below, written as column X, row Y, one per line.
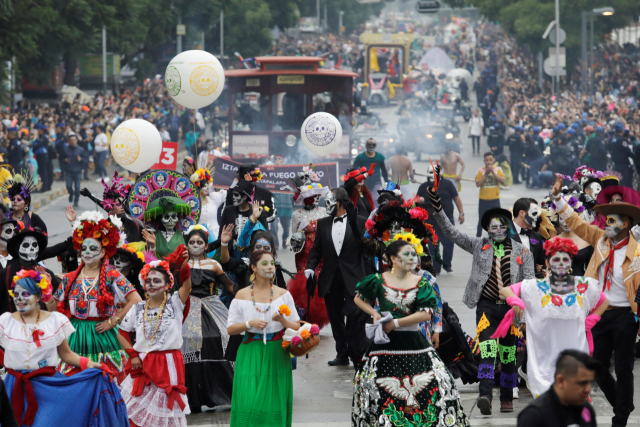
column 242, row 310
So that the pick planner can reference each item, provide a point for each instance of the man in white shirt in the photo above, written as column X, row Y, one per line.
column 102, row 149
column 476, row 124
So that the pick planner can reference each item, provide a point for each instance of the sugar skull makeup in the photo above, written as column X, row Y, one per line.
column 196, row 245
column 533, row 215
column 237, row 198
column 169, row 220
column 17, row 203
column 155, row 283
column 8, row 231
column 371, row 147
column 266, row 267
column 91, row 251
column 331, row 203
column 595, row 189
column 614, row 225
column 560, row 264
column 498, row 230
column 24, row 300
column 407, row 257
column 262, row 245
column 120, row 262
column 29, row 249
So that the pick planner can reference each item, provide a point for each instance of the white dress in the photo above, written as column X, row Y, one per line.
column 209, row 214
column 241, row 311
column 554, row 323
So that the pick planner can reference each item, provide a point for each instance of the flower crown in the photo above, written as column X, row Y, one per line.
column 164, row 265
column 201, row 175
column 132, row 250
column 197, row 227
column 309, row 170
column 558, row 244
column 254, row 175
column 412, row 239
column 41, row 280
column 93, row 225
column 113, row 191
column 189, row 160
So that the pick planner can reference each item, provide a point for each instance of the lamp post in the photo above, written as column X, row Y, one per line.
column 587, row 62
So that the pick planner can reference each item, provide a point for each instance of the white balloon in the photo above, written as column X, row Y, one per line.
column 194, row 78
column 321, row 133
column 136, row 145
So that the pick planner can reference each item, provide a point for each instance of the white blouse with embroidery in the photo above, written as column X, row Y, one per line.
column 242, row 310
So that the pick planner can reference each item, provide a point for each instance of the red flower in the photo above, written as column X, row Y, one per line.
column 582, row 287
column 556, row 300
column 485, row 247
column 369, row 224
column 82, row 304
column 519, row 260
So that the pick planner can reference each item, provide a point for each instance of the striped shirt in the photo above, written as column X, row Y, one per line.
column 497, row 281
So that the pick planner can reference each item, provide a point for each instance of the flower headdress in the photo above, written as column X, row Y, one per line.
column 359, row 174
column 558, row 244
column 197, row 227
column 41, row 280
column 20, row 184
column 163, row 265
column 139, row 254
column 113, row 192
column 201, row 178
column 412, row 239
column 255, row 175
column 91, row 224
column 583, row 173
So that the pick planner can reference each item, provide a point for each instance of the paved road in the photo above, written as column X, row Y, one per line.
column 322, row 393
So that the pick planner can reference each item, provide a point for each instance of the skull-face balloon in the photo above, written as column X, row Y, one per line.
column 533, row 216
column 169, row 220
column 29, row 249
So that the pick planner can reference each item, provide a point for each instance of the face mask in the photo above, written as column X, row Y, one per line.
column 430, row 174
column 614, row 225
column 262, row 245
column 532, row 217
column 560, row 264
column 266, row 268
column 497, row 230
column 371, row 148
column 196, row 245
column 169, row 220
column 29, row 249
column 237, row 198
column 120, row 262
column 91, row 251
column 595, row 189
column 24, row 300
column 155, row 283
column 331, row 204
column 8, row 231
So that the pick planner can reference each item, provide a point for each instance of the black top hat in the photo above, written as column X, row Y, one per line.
column 486, row 217
column 16, row 241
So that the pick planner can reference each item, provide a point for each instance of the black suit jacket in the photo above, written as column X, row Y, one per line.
column 350, row 262
column 535, row 244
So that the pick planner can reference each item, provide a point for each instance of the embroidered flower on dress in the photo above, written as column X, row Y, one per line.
column 556, row 300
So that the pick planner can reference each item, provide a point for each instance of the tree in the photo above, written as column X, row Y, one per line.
column 355, row 13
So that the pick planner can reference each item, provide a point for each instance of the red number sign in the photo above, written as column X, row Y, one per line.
column 168, row 157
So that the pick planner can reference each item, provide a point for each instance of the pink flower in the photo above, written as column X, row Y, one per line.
column 314, row 330
column 418, row 213
column 296, row 341
column 369, row 224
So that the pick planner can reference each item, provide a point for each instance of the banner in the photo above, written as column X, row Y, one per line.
column 275, row 176
column 168, row 156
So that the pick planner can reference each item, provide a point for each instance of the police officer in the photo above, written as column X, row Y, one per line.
column 61, row 140
column 621, row 152
column 516, row 148
column 14, row 150
column 41, row 150
column 535, row 135
column 495, row 141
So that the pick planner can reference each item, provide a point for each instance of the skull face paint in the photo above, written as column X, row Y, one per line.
column 169, row 220
column 266, row 267
column 371, row 147
column 498, row 230
column 24, row 300
column 430, row 173
column 595, row 189
column 155, row 283
column 196, row 245
column 120, row 262
column 395, row 229
column 262, row 245
column 8, row 231
column 17, row 203
column 29, row 249
column 91, row 251
column 532, row 217
column 407, row 258
column 331, row 204
column 560, row 264
column 614, row 225
column 237, row 198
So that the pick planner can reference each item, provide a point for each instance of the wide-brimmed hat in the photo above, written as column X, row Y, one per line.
column 486, row 217
column 14, row 243
column 626, row 209
column 629, row 195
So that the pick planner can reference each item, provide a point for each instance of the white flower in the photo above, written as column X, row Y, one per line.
column 195, row 177
column 116, row 221
column 123, row 238
column 397, row 192
column 75, row 224
column 91, row 216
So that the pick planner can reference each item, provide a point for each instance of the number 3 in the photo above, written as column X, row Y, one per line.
column 168, row 158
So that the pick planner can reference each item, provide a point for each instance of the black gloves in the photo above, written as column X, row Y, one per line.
column 434, row 198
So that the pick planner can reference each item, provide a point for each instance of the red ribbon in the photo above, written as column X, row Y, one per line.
column 23, row 386
column 173, row 393
column 140, row 380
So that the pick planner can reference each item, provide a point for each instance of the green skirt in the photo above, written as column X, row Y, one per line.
column 99, row 348
column 262, row 386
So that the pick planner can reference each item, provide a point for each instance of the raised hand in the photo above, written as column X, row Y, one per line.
column 256, row 210
column 70, row 213
column 227, row 233
column 149, row 237
column 557, row 186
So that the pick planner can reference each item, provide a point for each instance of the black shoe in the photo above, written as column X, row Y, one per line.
column 484, row 404
column 338, row 362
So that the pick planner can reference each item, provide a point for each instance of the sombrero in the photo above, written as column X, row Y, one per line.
column 486, row 217
column 626, row 209
column 629, row 195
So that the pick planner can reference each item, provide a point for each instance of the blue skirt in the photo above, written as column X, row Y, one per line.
column 85, row 399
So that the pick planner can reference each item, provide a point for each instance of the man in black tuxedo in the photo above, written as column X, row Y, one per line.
column 342, row 269
column 526, row 219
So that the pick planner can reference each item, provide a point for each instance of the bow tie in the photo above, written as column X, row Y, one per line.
column 338, row 219
column 525, row 232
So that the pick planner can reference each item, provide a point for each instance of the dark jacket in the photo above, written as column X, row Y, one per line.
column 15, row 154
column 496, row 139
column 350, row 262
column 535, row 246
column 516, row 145
column 547, row 411
column 72, row 154
column 41, row 145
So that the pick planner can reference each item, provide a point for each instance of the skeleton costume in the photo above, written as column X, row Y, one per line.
column 168, row 210
column 303, row 224
column 403, row 382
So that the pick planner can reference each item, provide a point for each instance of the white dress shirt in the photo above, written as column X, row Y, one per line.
column 524, row 239
column 4, row 259
column 337, row 233
column 617, row 295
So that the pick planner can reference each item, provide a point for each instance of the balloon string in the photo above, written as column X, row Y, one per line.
column 195, row 161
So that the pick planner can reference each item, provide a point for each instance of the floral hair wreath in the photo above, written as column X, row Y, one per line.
column 201, row 175
column 411, row 239
column 254, row 175
column 188, row 159
column 198, row 227
column 41, row 280
column 558, row 244
column 93, row 225
column 163, row 265
column 133, row 250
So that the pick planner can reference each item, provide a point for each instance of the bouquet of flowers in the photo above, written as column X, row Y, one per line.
column 302, row 341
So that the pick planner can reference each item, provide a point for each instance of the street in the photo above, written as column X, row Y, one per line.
column 322, row 393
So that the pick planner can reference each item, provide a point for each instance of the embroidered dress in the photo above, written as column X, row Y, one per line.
column 209, row 373
column 404, row 382
column 554, row 323
column 263, row 384
column 85, row 399
column 80, row 297
column 156, row 395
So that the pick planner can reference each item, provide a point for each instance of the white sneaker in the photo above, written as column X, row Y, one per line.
column 516, row 393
